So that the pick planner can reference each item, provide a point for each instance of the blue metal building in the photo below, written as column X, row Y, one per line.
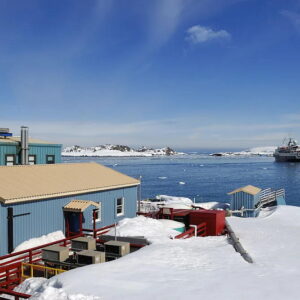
column 40, row 199
column 37, row 151
column 247, row 201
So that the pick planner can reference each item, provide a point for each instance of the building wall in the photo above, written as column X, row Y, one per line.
column 243, row 199
column 40, row 150
column 6, row 149
column 47, row 216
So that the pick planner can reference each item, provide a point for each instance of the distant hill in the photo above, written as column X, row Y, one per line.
column 116, row 150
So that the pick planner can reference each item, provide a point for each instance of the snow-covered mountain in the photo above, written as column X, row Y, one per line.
column 257, row 151
column 116, row 150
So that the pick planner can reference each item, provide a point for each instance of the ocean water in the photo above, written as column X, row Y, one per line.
column 205, row 178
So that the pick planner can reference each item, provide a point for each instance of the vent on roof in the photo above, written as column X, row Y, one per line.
column 4, row 132
column 24, row 145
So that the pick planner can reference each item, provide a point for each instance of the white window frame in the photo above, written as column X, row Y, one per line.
column 122, row 206
column 8, row 161
column 31, row 162
column 99, row 213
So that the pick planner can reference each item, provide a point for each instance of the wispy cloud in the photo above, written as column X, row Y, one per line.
column 200, row 34
column 163, row 20
column 189, row 132
column 293, row 17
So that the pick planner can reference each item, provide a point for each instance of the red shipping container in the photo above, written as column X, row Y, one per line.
column 214, row 219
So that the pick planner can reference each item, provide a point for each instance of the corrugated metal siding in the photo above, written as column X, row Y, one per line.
column 242, row 199
column 40, row 150
column 6, row 149
column 47, row 216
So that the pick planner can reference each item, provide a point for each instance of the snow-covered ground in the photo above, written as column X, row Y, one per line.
column 151, row 229
column 116, row 150
column 257, row 151
column 195, row 268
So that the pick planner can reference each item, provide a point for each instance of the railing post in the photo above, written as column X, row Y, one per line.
column 30, row 256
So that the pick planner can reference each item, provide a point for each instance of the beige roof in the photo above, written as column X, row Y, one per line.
column 15, row 139
column 34, row 182
column 249, row 189
column 79, row 205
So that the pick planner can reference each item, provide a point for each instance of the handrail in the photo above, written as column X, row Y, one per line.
column 13, row 293
column 191, row 232
column 30, row 251
column 41, row 267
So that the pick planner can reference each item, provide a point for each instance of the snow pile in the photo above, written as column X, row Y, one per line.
column 196, row 268
column 178, row 203
column 153, row 230
column 212, row 205
column 116, row 150
column 257, row 151
column 44, row 239
column 31, row 286
column 174, row 200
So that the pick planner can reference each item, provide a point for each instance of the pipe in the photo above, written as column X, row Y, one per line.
column 10, row 229
column 196, row 228
column 24, row 145
column 237, row 244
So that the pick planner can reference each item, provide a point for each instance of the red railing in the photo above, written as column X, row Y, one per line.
column 99, row 231
column 201, row 231
column 16, row 295
column 10, row 264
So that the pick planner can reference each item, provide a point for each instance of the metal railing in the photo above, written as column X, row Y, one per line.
column 31, row 270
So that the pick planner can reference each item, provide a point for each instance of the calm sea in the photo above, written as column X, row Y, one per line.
column 203, row 177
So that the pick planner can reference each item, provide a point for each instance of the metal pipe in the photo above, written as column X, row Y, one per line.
column 196, row 228
column 24, row 145
column 237, row 244
column 10, row 229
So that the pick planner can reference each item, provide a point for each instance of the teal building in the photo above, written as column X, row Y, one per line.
column 33, row 151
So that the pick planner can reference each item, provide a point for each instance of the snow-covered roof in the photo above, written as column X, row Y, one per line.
column 249, row 189
column 36, row 182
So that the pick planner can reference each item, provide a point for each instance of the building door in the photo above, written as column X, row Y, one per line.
column 73, row 223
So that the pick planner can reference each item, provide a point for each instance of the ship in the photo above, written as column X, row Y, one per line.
column 289, row 152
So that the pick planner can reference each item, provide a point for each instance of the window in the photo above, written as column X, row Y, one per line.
column 98, row 213
column 120, row 206
column 10, row 159
column 50, row 159
column 31, row 159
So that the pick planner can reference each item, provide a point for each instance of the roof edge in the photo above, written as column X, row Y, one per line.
column 48, row 196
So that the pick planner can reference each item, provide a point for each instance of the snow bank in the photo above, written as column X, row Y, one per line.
column 196, row 268
column 44, row 239
column 172, row 200
column 257, row 151
column 153, row 230
column 212, row 205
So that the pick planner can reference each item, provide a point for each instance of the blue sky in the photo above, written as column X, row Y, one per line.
column 182, row 73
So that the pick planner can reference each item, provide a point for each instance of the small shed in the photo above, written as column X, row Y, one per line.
column 39, row 199
column 245, row 198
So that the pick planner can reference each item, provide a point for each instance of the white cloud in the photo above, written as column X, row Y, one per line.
column 293, row 17
column 203, row 131
column 200, row 34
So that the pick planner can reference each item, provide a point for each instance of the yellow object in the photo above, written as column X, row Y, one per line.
column 39, row 268
column 79, row 205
